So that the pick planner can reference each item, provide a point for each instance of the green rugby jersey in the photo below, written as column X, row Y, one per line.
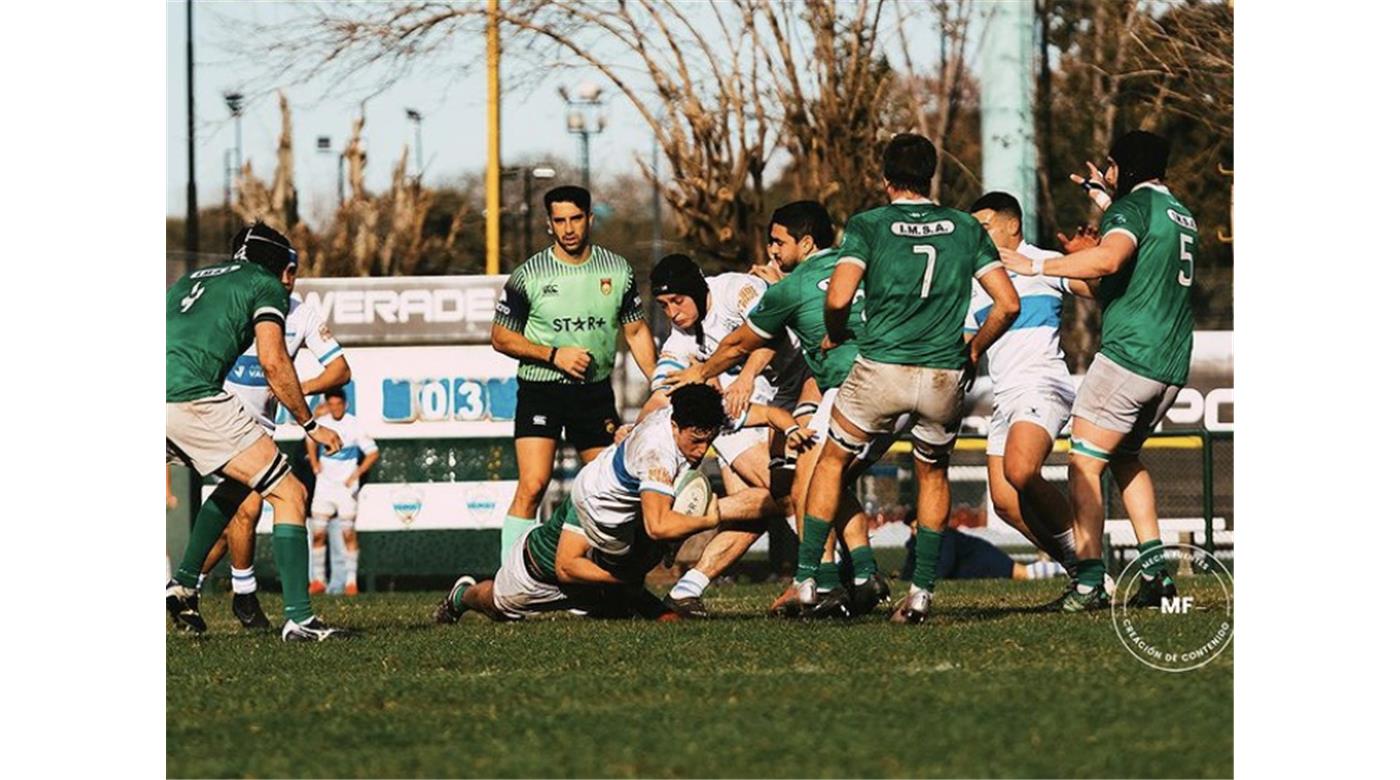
column 798, row 301
column 209, row 316
column 1147, row 319
column 543, row 542
column 561, row 305
column 920, row 259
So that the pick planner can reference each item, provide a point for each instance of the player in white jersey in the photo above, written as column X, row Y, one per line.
column 703, row 311
column 337, row 491
column 1031, row 390
column 619, row 508
column 306, row 327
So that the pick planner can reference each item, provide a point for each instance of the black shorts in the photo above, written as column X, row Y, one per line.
column 585, row 415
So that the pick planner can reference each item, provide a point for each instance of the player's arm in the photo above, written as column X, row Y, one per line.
column 840, row 292
column 335, row 374
column 1112, row 253
column 1006, row 306
column 282, row 378
column 663, row 523
column 371, row 450
column 732, row 350
column 508, row 334
column 798, row 437
column 572, row 565
column 641, row 345
column 335, row 369
column 313, row 456
column 736, row 397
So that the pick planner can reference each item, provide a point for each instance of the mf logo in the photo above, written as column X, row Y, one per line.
column 1178, row 605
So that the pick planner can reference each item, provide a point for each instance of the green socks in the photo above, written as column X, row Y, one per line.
column 1090, row 574
column 828, row 576
column 809, row 551
column 513, row 528
column 293, row 565
column 863, row 563
column 927, row 546
column 1153, row 560
column 214, row 515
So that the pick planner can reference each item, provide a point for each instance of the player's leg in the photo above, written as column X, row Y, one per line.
column 239, row 538
column 1090, row 448
column 1048, row 517
column 323, row 510
column 351, row 555
column 534, row 457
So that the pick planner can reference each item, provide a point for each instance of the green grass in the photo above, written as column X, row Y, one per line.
column 984, row 690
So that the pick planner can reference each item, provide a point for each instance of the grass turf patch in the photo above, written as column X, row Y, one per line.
column 985, row 688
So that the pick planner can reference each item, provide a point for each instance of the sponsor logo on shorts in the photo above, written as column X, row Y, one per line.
column 540, row 419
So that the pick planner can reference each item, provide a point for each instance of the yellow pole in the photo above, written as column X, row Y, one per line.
column 493, row 138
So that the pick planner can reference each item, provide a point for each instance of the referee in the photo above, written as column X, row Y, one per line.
column 559, row 315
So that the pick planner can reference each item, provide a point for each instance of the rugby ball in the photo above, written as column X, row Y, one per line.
column 692, row 489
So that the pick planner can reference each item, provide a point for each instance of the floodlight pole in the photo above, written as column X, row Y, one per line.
column 493, row 137
column 191, row 200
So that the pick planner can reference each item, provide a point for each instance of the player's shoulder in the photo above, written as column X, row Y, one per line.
column 607, row 261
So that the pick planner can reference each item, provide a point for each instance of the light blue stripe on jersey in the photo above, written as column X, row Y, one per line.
column 1037, row 311
column 329, row 356
column 629, row 483
column 350, row 453
column 247, row 371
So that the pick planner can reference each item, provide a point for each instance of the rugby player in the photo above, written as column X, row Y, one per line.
column 597, row 547
column 703, row 311
column 212, row 315
column 306, row 327
column 917, row 260
column 1145, row 265
column 1031, row 390
column 801, row 238
column 559, row 315
column 337, row 492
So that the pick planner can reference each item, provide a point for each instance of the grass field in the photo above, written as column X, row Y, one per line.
column 984, row 689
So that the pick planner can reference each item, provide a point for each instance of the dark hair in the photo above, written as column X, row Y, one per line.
column 806, row 218
column 1002, row 203
column 259, row 244
column 1141, row 156
column 698, row 406
column 568, row 193
column 910, row 160
column 335, row 392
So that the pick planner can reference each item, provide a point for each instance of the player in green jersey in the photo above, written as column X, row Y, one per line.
column 918, row 261
column 1144, row 267
column 559, row 315
column 801, row 238
column 212, row 316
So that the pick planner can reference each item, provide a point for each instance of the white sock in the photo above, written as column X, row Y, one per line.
column 244, row 581
column 318, row 563
column 1044, row 570
column 352, row 565
column 792, row 522
column 691, row 586
column 1066, row 555
column 199, row 583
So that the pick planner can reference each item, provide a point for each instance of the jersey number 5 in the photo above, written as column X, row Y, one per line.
column 931, row 254
column 1184, row 277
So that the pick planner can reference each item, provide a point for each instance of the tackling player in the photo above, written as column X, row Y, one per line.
column 212, row 315
column 918, row 260
column 1031, row 389
column 1145, row 264
column 800, row 245
column 602, row 540
column 305, row 327
column 559, row 315
column 336, row 496
column 703, row 311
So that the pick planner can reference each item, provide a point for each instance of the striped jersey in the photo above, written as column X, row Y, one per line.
column 559, row 304
column 354, row 444
column 305, row 327
column 1028, row 355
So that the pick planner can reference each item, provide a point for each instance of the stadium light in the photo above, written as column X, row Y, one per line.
column 584, row 118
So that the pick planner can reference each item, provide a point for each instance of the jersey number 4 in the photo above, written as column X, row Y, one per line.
column 930, row 254
column 188, row 301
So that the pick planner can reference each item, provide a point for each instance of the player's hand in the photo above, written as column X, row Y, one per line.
column 969, row 376
column 171, row 501
column 736, row 397
column 326, row 438
column 1098, row 196
column 573, row 361
column 621, row 432
column 712, row 510
column 802, row 439
column 351, row 480
column 690, row 375
column 1085, row 237
column 1015, row 261
column 829, row 343
column 767, row 272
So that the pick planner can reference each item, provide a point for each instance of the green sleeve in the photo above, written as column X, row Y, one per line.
column 985, row 252
column 631, row 310
column 270, row 300
column 772, row 311
column 855, row 244
column 1125, row 215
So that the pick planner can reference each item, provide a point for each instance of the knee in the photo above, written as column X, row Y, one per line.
column 290, row 490
column 1020, row 473
column 1006, row 507
column 530, row 489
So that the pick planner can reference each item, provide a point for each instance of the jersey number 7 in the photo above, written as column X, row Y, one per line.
column 931, row 253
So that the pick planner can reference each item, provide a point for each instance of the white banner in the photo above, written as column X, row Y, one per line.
column 422, row 392
column 406, row 309
column 422, row 506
